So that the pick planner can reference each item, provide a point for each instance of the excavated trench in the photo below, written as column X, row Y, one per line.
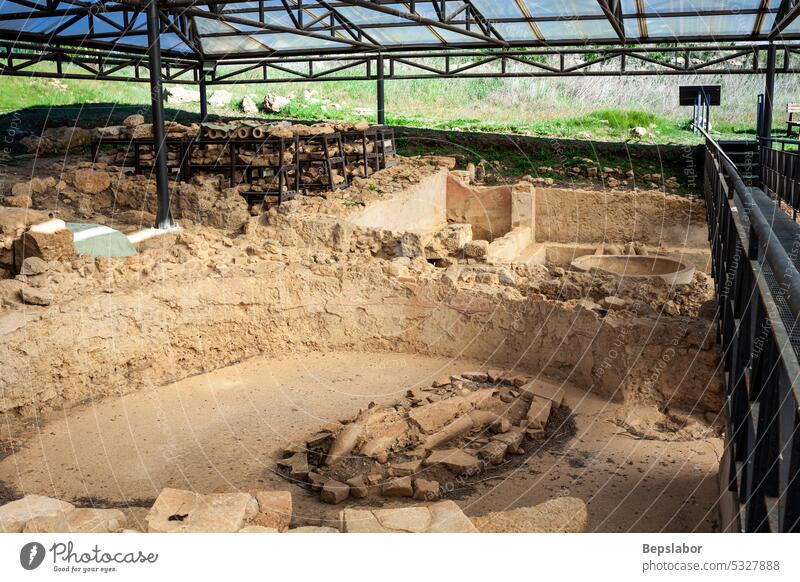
column 198, row 369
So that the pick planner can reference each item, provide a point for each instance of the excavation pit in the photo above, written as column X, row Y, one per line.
column 637, row 267
column 227, row 430
column 269, row 328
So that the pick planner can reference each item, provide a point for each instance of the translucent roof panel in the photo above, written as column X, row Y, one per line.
column 702, row 26
column 563, row 8
column 664, row 6
column 580, row 29
column 239, row 29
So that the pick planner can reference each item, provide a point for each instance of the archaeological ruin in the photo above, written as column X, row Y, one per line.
column 255, row 324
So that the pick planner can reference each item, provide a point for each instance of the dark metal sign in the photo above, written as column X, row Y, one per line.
column 709, row 94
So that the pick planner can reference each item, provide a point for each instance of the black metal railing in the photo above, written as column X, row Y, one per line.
column 780, row 171
column 754, row 248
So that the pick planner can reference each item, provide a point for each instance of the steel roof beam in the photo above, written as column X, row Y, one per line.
column 423, row 21
column 614, row 15
column 353, row 29
column 273, row 27
column 787, row 13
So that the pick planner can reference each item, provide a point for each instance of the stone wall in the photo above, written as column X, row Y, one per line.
column 419, row 208
column 487, row 209
column 596, row 216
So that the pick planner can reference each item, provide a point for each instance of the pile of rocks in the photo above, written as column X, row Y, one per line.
column 57, row 140
column 302, row 151
column 453, row 430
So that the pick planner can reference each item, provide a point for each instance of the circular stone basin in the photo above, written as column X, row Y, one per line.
column 637, row 267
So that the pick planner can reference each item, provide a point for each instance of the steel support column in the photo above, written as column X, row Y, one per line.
column 381, row 96
column 203, row 95
column 163, row 219
column 769, row 91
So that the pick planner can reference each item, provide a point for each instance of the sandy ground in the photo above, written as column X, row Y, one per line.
column 224, row 430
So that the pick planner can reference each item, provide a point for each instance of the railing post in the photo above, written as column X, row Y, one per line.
column 769, row 91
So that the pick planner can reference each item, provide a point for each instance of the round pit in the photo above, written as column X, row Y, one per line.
column 226, row 430
column 637, row 267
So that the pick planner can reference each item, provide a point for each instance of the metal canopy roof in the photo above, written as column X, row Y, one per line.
column 221, row 29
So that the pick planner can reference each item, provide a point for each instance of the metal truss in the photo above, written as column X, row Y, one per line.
column 22, row 59
column 452, row 24
column 25, row 58
column 560, row 62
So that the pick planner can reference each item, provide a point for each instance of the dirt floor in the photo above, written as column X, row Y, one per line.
column 224, row 431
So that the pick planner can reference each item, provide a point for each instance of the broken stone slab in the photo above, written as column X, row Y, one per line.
column 440, row 517
column 317, row 480
column 399, row 487
column 274, row 509
column 493, row 452
column 296, row 466
column 501, row 426
column 383, row 436
column 426, row 489
column 33, row 296
column 476, row 376
column 344, row 443
column 33, row 266
column 561, row 515
column 49, row 246
column 433, row 417
column 539, row 412
column 81, row 520
column 543, row 389
column 441, row 382
column 14, row 515
column 180, row 511
column 334, row 492
column 354, row 520
column 404, row 519
column 358, row 487
column 456, row 428
column 513, row 438
column 456, row 460
column 406, row 468
column 447, row 517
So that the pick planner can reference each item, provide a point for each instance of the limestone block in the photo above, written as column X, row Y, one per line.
column 81, row 520
column 14, row 515
column 562, row 515
column 180, row 511
column 274, row 509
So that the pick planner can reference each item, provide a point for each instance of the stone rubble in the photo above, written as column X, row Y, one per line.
column 459, row 427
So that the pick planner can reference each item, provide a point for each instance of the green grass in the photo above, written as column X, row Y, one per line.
column 584, row 109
